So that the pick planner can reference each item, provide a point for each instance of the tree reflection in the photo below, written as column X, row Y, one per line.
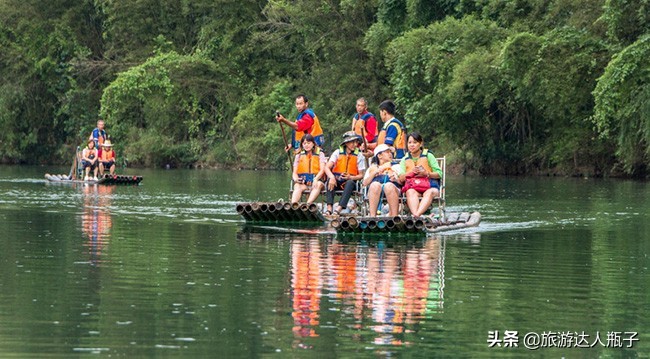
column 96, row 218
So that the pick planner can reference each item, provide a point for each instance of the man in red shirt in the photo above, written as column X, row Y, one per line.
column 306, row 123
column 366, row 121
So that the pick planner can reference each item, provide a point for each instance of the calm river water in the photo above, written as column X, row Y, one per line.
column 168, row 269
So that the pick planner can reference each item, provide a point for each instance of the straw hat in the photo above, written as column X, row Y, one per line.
column 107, row 143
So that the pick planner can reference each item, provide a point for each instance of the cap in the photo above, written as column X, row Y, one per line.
column 381, row 148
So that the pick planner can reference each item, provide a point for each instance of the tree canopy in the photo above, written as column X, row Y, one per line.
column 502, row 87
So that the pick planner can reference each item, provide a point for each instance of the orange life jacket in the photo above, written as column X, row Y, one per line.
column 400, row 140
column 423, row 161
column 106, row 155
column 309, row 163
column 346, row 163
column 360, row 123
column 315, row 130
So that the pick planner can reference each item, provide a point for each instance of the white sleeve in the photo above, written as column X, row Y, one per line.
column 361, row 162
column 334, row 157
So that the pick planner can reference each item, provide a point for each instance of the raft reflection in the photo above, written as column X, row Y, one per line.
column 96, row 218
column 386, row 289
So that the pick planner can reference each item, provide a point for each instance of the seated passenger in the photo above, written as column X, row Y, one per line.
column 382, row 179
column 106, row 158
column 308, row 169
column 89, row 160
column 420, row 175
column 344, row 168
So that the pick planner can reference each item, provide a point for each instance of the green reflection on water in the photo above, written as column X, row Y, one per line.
column 167, row 268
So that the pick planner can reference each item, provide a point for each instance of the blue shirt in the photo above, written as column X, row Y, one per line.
column 97, row 133
column 391, row 135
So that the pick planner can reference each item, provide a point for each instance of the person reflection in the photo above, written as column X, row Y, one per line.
column 386, row 290
column 96, row 219
column 306, row 285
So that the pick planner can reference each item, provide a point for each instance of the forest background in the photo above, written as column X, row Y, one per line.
column 499, row 86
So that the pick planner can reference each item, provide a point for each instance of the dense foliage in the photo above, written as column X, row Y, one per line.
column 501, row 86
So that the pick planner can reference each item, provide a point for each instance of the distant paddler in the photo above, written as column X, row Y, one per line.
column 99, row 135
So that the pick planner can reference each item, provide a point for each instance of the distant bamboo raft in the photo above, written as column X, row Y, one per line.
column 279, row 212
column 105, row 179
column 404, row 224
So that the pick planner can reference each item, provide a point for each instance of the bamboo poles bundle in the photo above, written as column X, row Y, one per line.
column 241, row 210
column 279, row 212
column 397, row 224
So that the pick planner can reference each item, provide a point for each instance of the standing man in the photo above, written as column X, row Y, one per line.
column 306, row 123
column 99, row 135
column 393, row 133
column 366, row 121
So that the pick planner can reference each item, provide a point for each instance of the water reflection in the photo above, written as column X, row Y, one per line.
column 380, row 288
column 96, row 219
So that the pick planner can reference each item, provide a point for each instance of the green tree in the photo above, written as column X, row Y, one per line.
column 551, row 74
column 39, row 46
column 622, row 110
column 627, row 19
column 170, row 109
column 258, row 138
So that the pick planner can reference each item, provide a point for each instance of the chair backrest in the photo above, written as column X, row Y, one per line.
column 442, row 162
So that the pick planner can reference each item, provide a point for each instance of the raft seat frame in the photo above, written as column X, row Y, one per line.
column 357, row 194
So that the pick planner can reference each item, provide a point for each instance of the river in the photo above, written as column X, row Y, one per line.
column 557, row 268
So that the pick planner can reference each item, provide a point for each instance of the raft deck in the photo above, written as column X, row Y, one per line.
column 106, row 179
column 287, row 213
column 405, row 224
column 279, row 212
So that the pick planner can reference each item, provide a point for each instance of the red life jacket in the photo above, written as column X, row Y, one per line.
column 361, row 123
column 315, row 130
column 106, row 156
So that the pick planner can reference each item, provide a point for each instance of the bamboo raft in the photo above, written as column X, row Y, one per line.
column 405, row 224
column 287, row 213
column 279, row 212
column 105, row 179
